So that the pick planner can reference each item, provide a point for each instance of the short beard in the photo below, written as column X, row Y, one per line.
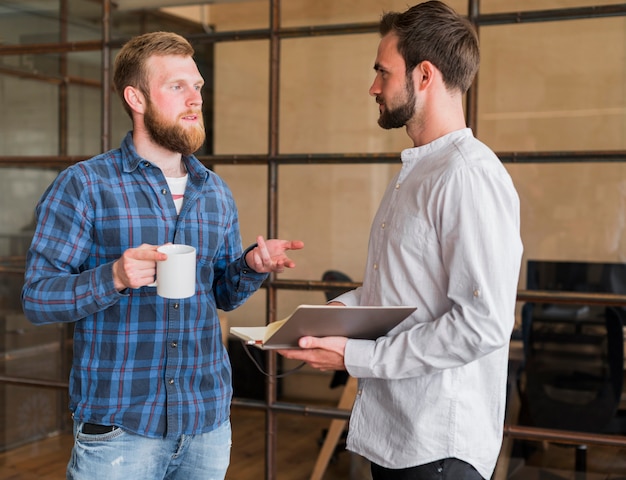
column 172, row 136
column 399, row 116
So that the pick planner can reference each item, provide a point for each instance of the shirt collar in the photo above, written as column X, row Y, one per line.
column 131, row 159
column 412, row 154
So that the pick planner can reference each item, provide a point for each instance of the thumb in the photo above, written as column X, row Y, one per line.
column 308, row 342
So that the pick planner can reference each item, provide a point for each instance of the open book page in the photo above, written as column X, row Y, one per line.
column 272, row 327
column 257, row 334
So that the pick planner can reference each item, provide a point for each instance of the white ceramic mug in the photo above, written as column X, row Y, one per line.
column 176, row 276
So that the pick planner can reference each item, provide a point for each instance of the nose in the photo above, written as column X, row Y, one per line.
column 375, row 87
column 195, row 98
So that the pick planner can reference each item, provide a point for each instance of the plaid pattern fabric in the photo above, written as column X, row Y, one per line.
column 153, row 366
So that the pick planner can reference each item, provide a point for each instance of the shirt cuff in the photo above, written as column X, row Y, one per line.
column 244, row 264
column 357, row 357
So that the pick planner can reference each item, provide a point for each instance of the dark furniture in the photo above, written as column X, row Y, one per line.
column 572, row 373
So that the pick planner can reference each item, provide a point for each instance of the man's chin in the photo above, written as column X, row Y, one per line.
column 388, row 126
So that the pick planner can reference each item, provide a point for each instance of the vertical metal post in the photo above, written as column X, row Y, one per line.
column 471, row 99
column 272, row 219
column 106, row 76
column 63, row 115
column 63, row 103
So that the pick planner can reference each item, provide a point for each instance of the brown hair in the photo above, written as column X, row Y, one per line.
column 435, row 32
column 130, row 63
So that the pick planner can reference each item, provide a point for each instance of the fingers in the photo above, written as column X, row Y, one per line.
column 263, row 252
column 295, row 245
column 146, row 252
column 315, row 355
column 137, row 267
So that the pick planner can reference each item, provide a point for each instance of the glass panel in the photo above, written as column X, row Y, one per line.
column 26, row 413
column 85, row 20
column 84, row 99
column 85, row 67
column 241, row 97
column 31, row 128
column 85, row 120
column 29, row 22
column 249, row 186
column 296, row 13
column 325, row 105
column 21, row 188
column 330, row 208
column 248, row 15
column 129, row 23
column 500, row 6
column 39, row 21
column 572, row 212
column 46, row 67
column 552, row 86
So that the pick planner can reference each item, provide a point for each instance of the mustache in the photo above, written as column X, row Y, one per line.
column 379, row 100
column 191, row 112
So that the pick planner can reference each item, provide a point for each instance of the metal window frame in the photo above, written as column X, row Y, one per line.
column 274, row 159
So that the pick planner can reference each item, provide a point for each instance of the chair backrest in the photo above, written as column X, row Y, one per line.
column 573, row 367
column 335, row 276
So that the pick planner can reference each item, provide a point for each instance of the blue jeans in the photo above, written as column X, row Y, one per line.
column 120, row 455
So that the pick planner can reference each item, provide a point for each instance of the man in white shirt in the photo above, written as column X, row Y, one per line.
column 446, row 238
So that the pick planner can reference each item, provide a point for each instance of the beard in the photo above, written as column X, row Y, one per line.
column 399, row 116
column 172, row 136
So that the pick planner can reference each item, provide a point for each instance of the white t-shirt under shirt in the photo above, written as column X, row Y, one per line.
column 177, row 188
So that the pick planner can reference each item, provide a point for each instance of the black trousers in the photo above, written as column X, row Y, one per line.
column 446, row 469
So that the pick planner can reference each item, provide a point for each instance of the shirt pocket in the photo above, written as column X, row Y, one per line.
column 410, row 238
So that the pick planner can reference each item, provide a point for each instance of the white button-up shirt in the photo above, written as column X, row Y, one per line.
column 446, row 238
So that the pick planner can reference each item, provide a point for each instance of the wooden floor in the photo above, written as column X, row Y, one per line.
column 298, row 445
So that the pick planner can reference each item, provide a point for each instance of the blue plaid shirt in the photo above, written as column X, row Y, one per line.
column 150, row 365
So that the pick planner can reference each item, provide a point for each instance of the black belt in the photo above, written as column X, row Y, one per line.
column 96, row 429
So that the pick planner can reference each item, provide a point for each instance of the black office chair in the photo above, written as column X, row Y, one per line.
column 573, row 370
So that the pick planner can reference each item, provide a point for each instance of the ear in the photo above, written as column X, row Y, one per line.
column 424, row 74
column 135, row 99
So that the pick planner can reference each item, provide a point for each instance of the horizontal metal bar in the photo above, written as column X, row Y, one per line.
column 576, row 298
column 47, row 48
column 296, row 408
column 62, row 161
column 513, row 431
column 33, row 382
column 551, row 15
column 563, row 157
column 562, row 436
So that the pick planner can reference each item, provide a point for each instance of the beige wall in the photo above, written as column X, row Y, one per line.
column 545, row 86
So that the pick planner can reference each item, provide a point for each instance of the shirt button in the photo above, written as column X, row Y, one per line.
column 164, row 191
column 477, row 293
column 146, row 164
column 176, row 305
column 375, row 266
column 174, row 344
column 171, row 381
column 397, row 186
column 382, row 225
